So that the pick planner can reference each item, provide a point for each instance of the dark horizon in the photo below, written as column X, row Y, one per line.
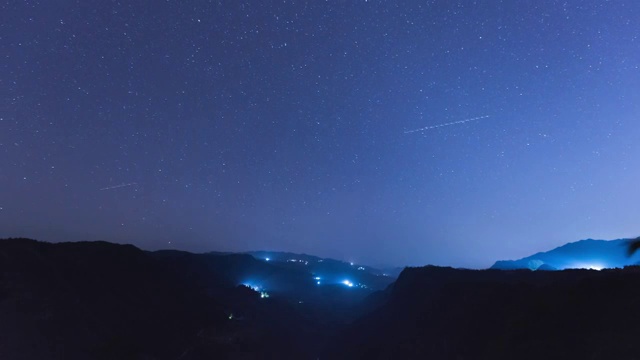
column 596, row 258
column 251, row 251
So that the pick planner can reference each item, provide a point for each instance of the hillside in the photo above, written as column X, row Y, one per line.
column 98, row 300
column 94, row 300
column 444, row 313
column 329, row 271
column 587, row 254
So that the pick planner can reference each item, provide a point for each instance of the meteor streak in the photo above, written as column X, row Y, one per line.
column 446, row 124
column 118, row 186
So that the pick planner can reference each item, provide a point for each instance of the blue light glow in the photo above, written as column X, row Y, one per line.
column 348, row 283
column 593, row 266
column 252, row 287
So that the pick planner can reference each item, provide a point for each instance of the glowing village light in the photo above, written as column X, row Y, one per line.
column 348, row 283
column 588, row 266
column 267, row 259
column 597, row 267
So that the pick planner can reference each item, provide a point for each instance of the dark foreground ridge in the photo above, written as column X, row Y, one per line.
column 97, row 300
column 445, row 313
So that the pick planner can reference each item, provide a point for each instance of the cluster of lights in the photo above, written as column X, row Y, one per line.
column 347, row 283
column 295, row 260
column 264, row 294
column 588, row 266
column 351, row 284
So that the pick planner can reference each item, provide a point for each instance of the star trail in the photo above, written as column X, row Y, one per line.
column 446, row 124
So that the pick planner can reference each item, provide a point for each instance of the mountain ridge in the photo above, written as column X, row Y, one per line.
column 445, row 313
column 102, row 300
column 587, row 254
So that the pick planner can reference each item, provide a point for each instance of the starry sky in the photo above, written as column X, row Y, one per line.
column 288, row 125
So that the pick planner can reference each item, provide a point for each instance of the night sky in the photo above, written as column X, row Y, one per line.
column 288, row 125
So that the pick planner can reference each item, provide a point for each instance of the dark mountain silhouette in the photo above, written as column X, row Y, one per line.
column 595, row 254
column 98, row 300
column 445, row 313
column 94, row 301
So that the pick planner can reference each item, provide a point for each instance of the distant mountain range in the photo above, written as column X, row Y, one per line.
column 583, row 254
